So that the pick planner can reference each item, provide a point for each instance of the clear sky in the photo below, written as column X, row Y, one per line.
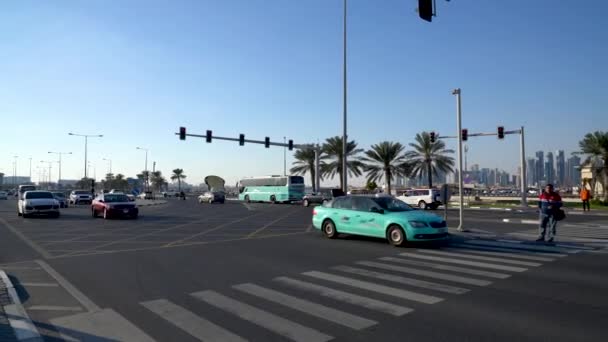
column 135, row 71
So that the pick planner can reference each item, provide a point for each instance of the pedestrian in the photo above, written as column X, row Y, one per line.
column 585, row 195
column 549, row 202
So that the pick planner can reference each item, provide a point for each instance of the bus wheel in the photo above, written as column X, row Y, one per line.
column 247, row 198
column 273, row 199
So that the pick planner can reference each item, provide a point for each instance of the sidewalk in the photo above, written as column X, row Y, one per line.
column 15, row 324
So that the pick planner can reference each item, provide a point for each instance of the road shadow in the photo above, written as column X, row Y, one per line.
column 409, row 244
column 24, row 296
column 51, row 333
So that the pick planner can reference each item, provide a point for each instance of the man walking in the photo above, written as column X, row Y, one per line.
column 585, row 198
column 548, row 202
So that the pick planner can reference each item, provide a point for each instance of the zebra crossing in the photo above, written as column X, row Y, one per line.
column 577, row 232
column 387, row 286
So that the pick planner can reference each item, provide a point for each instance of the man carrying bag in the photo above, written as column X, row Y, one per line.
column 549, row 203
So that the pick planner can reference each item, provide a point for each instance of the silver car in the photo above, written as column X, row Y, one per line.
column 216, row 193
column 60, row 197
column 38, row 203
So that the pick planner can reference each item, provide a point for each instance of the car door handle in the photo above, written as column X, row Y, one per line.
column 346, row 218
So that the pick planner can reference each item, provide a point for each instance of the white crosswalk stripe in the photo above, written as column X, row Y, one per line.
column 523, row 246
column 347, row 297
column 437, row 275
column 313, row 309
column 387, row 290
column 509, row 250
column 279, row 325
column 402, row 280
column 465, row 262
column 198, row 327
column 502, row 254
column 480, row 257
column 425, row 273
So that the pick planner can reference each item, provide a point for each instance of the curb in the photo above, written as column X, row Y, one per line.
column 20, row 321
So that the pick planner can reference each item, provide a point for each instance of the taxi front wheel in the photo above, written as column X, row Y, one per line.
column 395, row 235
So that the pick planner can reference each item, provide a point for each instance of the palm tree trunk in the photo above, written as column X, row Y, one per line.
column 429, row 174
column 179, row 184
column 387, row 176
column 312, row 179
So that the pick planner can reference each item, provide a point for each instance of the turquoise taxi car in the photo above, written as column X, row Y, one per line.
column 378, row 216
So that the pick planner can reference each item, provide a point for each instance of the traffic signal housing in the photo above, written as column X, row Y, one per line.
column 290, row 144
column 241, row 139
column 425, row 10
column 267, row 142
column 182, row 133
column 209, row 136
column 432, row 134
column 465, row 134
column 501, row 132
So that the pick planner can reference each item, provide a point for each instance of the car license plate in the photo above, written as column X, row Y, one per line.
column 126, row 211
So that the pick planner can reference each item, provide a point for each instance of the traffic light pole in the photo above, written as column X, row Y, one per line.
column 460, row 182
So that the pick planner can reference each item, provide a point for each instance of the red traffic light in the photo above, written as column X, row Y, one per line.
column 182, row 133
column 501, row 132
column 465, row 134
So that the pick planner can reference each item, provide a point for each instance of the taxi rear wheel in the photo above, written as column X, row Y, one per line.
column 396, row 235
column 329, row 229
column 306, row 203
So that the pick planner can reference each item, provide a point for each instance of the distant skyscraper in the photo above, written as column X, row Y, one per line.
column 531, row 172
column 560, row 166
column 573, row 171
column 540, row 167
column 484, row 177
column 549, row 169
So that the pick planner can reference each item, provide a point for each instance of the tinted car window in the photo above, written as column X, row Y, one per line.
column 81, row 192
column 59, row 194
column 342, row 203
column 35, row 195
column 109, row 198
column 391, row 204
column 363, row 204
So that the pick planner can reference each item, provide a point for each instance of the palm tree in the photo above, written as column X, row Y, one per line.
column 386, row 161
column 179, row 175
column 596, row 145
column 428, row 158
column 158, row 180
column 333, row 152
column 305, row 162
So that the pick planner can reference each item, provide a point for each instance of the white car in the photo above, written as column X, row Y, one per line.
column 3, row 195
column 81, row 196
column 38, row 202
column 422, row 198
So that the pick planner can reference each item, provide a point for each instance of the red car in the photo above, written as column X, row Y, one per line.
column 114, row 205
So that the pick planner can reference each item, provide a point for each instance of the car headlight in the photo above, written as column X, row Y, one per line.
column 418, row 224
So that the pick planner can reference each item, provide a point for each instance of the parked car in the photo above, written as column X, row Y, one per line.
column 114, row 205
column 3, row 195
column 60, row 197
column 422, row 198
column 131, row 197
column 378, row 216
column 37, row 202
column 170, row 194
column 321, row 197
column 80, row 196
column 216, row 192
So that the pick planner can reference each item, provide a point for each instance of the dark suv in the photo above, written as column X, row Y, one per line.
column 321, row 197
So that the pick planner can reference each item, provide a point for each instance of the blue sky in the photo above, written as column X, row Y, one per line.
column 137, row 70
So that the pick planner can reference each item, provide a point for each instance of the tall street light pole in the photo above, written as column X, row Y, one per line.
column 284, row 157
column 50, row 165
column 146, row 166
column 460, row 185
column 30, row 158
column 15, row 170
column 86, row 139
column 344, row 135
column 110, row 163
column 59, row 154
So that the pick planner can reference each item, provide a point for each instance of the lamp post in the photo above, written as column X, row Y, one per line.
column 59, row 153
column 284, row 157
column 50, row 165
column 110, row 164
column 460, row 183
column 30, row 158
column 146, row 166
column 86, row 139
column 15, row 170
column 344, row 96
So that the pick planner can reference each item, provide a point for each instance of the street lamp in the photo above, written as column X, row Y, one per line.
column 344, row 136
column 59, row 153
column 86, row 138
column 146, row 165
column 456, row 92
column 110, row 163
column 15, row 170
column 50, row 165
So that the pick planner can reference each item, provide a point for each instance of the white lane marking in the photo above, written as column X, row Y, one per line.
column 25, row 239
column 8, row 267
column 432, row 265
column 347, row 297
column 480, row 257
column 402, row 280
column 520, row 246
column 508, row 250
column 391, row 291
column 39, row 284
column 291, row 330
column 529, row 221
column 465, row 262
column 18, row 318
column 194, row 325
column 54, row 308
column 425, row 273
column 80, row 297
column 313, row 309
column 501, row 254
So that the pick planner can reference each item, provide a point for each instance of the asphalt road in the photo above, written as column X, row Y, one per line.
column 259, row 272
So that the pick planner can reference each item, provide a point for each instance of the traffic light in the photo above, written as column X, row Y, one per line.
column 425, row 9
column 267, row 142
column 241, row 139
column 182, row 133
column 501, row 132
column 290, row 143
column 465, row 134
column 432, row 137
column 208, row 137
column 92, row 183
